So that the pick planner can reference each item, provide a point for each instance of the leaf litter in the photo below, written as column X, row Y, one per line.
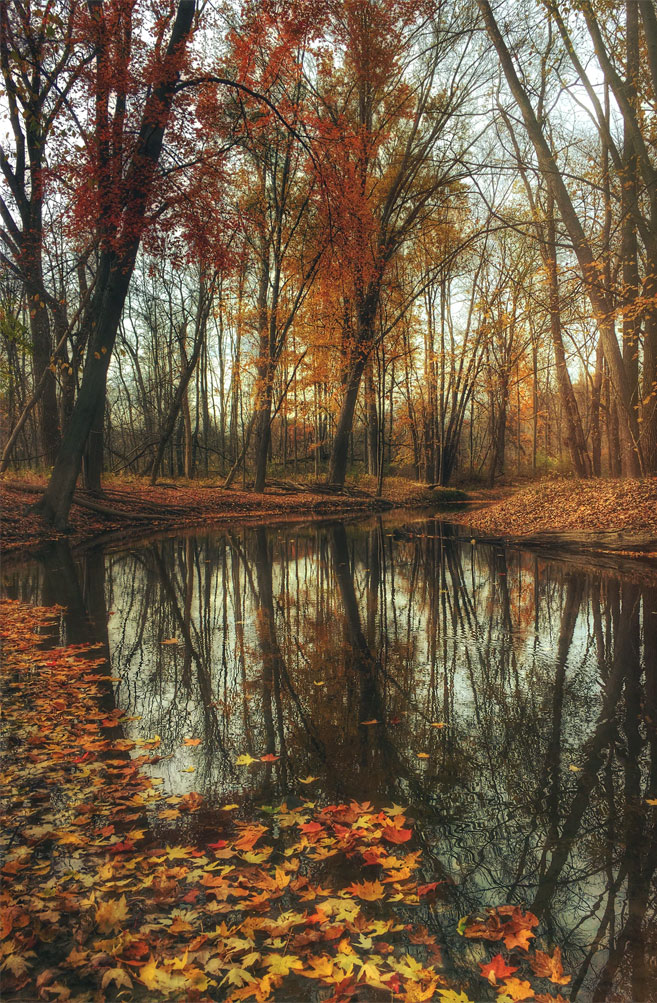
column 96, row 905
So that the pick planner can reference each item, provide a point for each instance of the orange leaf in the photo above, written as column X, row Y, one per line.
column 547, row 967
column 393, row 835
column 370, row 891
column 496, row 968
column 517, row 990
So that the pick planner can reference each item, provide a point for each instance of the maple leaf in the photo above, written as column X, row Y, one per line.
column 191, row 801
column 17, row 964
column 245, row 760
column 496, row 968
column 371, row 975
column 517, row 990
column 370, row 891
column 423, row 755
column 518, row 938
column 110, row 915
column 311, row 827
column 269, row 758
column 319, row 968
column 282, row 964
column 192, row 741
column 451, row 996
column 547, row 998
column 393, row 835
column 308, row 780
column 118, row 976
column 547, row 967
column 428, row 889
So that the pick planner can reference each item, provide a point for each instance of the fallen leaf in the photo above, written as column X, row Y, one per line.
column 112, row 914
column 547, row 967
column 496, row 968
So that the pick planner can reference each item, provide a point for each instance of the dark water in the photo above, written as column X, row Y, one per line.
column 541, row 674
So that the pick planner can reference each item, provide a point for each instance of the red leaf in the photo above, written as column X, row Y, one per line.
column 496, row 969
column 393, row 835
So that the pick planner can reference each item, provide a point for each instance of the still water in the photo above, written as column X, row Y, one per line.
column 508, row 700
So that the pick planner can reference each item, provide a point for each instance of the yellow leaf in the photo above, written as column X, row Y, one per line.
column 110, row 915
column 245, row 760
column 320, row 968
column 308, row 780
column 423, row 755
column 282, row 964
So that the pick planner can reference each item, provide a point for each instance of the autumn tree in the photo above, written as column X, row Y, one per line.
column 389, row 146
column 42, row 61
column 123, row 172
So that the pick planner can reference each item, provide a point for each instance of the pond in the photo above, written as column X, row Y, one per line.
column 507, row 700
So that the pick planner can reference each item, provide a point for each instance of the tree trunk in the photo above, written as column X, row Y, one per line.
column 372, row 421
column 340, row 452
column 576, row 440
column 105, row 314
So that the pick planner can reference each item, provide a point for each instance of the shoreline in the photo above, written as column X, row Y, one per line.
column 552, row 515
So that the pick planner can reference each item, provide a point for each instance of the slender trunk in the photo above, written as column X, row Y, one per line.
column 596, row 435
column 105, row 314
column 576, row 440
column 372, row 420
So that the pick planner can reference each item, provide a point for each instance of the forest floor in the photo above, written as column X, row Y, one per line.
column 128, row 507
column 596, row 516
column 616, row 515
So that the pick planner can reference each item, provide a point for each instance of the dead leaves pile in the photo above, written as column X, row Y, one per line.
column 96, row 904
column 562, row 505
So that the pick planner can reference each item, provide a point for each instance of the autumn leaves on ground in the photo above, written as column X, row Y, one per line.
column 556, row 506
column 105, row 898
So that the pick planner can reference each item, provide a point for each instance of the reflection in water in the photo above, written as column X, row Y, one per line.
column 354, row 653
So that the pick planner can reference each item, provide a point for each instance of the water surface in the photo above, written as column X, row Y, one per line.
column 508, row 700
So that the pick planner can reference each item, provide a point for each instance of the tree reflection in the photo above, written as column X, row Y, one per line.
column 514, row 703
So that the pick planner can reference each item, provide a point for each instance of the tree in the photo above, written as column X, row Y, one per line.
column 41, row 66
column 591, row 267
column 387, row 123
column 123, row 184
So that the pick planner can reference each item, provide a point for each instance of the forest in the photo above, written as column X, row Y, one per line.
column 328, row 431
column 316, row 239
